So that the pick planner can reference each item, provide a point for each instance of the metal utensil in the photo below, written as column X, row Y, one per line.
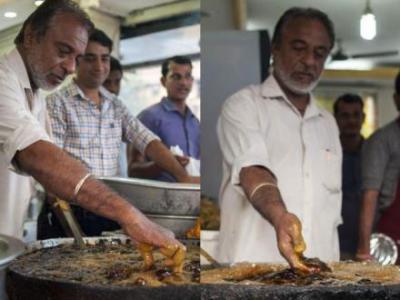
column 383, row 249
column 211, row 260
column 67, row 219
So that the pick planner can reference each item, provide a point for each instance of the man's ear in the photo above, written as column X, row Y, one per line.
column 28, row 36
column 162, row 80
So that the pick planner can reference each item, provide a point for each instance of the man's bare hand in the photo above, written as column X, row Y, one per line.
column 149, row 235
column 364, row 256
column 192, row 179
column 290, row 241
column 183, row 160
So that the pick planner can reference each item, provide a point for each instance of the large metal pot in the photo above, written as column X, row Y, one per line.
column 175, row 206
column 10, row 248
column 25, row 286
column 156, row 197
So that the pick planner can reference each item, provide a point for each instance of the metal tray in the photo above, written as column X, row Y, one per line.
column 156, row 197
column 25, row 286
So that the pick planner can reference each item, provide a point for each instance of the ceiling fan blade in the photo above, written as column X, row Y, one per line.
column 375, row 54
column 339, row 56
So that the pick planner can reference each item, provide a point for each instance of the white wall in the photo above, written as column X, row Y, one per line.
column 217, row 15
column 386, row 110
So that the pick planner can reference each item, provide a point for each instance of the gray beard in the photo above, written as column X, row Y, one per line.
column 38, row 80
column 293, row 86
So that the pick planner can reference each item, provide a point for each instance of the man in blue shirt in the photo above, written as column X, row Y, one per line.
column 171, row 120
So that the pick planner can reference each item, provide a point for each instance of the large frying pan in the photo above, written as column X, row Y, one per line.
column 24, row 286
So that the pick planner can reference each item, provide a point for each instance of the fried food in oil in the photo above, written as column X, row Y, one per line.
column 209, row 214
column 194, row 233
column 305, row 265
column 175, row 256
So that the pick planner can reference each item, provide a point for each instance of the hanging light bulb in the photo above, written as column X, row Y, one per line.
column 368, row 23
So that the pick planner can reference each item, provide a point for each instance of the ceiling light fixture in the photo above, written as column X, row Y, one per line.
column 368, row 23
column 38, row 2
column 10, row 14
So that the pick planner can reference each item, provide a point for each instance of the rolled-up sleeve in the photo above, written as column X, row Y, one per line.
column 134, row 131
column 241, row 140
column 18, row 127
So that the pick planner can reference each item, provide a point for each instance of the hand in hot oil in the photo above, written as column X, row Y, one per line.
column 175, row 256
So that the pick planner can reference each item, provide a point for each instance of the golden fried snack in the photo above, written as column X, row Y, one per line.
column 194, row 233
column 176, row 256
column 304, row 264
column 147, row 253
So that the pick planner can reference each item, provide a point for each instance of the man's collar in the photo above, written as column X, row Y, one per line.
column 170, row 105
column 74, row 90
column 270, row 89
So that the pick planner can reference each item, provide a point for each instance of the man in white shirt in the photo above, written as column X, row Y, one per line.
column 47, row 47
column 282, row 155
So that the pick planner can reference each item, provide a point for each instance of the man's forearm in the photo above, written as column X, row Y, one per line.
column 144, row 169
column 367, row 215
column 267, row 199
column 59, row 173
column 160, row 154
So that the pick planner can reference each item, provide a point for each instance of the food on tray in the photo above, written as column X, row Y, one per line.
column 194, row 233
column 209, row 214
column 109, row 264
column 337, row 274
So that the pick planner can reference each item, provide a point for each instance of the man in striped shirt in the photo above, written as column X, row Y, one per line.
column 90, row 123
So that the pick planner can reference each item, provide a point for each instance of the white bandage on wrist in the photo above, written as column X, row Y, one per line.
column 260, row 186
column 80, row 184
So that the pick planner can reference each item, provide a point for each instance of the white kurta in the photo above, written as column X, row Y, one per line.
column 22, row 122
column 259, row 126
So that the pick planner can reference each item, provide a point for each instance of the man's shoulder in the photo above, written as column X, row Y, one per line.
column 387, row 132
column 326, row 114
column 8, row 71
column 61, row 97
column 153, row 111
column 244, row 95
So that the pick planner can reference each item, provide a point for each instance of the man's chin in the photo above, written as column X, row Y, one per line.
column 49, row 87
column 302, row 89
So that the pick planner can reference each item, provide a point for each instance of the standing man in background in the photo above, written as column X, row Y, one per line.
column 349, row 115
column 171, row 120
column 380, row 207
column 113, row 81
column 113, row 85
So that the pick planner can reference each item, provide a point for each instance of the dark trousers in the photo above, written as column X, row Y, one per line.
column 49, row 226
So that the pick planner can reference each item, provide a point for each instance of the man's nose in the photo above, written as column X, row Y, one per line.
column 69, row 65
column 309, row 58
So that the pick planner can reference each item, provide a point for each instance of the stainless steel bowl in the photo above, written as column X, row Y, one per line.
column 179, row 225
column 156, row 197
column 383, row 249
